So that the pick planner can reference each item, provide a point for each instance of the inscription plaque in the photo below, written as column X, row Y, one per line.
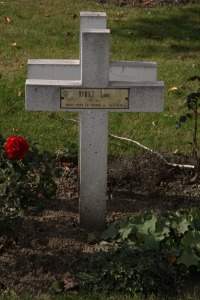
column 94, row 98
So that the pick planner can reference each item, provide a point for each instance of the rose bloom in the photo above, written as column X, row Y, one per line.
column 16, row 147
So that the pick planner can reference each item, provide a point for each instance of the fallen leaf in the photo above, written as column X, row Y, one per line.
column 139, row 235
column 68, row 165
column 14, row 45
column 15, row 130
column 176, row 151
column 19, row 93
column 130, row 33
column 171, row 259
column 115, row 19
column 173, row 89
column 194, row 178
column 6, row 20
column 170, row 170
column 145, row 2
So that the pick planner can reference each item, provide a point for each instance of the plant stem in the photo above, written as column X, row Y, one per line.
column 195, row 146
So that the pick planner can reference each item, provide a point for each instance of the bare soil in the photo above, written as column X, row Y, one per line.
column 51, row 244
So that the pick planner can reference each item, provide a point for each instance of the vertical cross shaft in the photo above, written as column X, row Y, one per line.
column 93, row 131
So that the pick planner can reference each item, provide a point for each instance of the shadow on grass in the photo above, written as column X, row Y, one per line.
column 178, row 28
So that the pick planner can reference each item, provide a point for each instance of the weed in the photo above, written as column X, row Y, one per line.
column 193, row 105
column 130, row 271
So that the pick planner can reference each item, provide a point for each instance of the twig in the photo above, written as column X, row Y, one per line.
column 146, row 148
column 153, row 151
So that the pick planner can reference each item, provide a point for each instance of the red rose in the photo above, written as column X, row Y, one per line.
column 16, row 147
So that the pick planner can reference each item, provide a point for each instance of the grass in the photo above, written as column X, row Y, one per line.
column 50, row 29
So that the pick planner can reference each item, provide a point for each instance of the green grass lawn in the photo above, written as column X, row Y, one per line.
column 50, row 29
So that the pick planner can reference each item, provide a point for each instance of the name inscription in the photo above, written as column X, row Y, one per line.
column 81, row 98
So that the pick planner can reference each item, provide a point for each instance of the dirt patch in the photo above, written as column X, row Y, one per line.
column 51, row 244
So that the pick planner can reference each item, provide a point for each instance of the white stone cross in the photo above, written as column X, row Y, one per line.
column 93, row 87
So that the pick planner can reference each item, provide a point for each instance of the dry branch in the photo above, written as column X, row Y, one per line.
column 154, row 152
column 146, row 148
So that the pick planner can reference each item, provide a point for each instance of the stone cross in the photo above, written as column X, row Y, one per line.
column 93, row 86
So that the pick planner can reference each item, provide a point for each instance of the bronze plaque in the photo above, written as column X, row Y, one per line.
column 88, row 98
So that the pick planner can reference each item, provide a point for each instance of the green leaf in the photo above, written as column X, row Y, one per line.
column 147, row 242
column 196, row 218
column 190, row 254
column 188, row 258
column 111, row 232
column 162, row 229
column 181, row 223
column 125, row 232
column 56, row 287
column 149, row 226
column 191, row 239
column 137, row 219
column 91, row 238
column 2, row 189
column 127, row 229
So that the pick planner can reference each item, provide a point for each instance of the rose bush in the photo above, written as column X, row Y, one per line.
column 27, row 178
column 16, row 147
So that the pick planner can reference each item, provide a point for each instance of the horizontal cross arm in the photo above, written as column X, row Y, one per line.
column 144, row 96
column 132, row 71
column 45, row 95
column 54, row 69
column 58, row 69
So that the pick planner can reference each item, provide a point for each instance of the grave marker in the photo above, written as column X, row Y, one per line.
column 92, row 92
